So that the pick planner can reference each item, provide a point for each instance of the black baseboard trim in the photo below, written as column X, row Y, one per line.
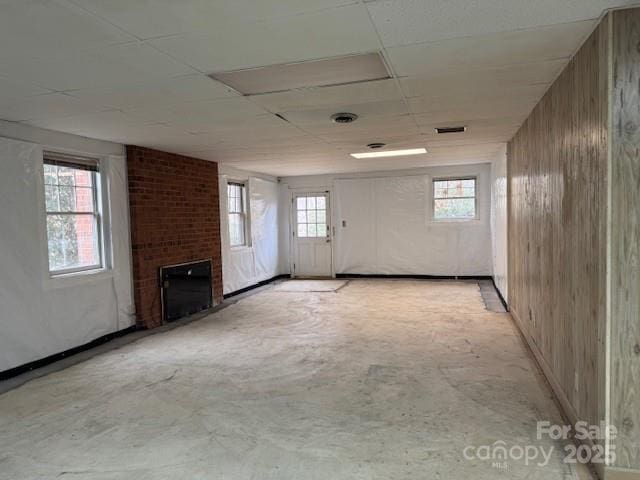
column 415, row 277
column 27, row 367
column 256, row 285
column 502, row 300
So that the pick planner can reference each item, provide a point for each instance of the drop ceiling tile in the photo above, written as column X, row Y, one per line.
column 126, row 64
column 376, row 130
column 196, row 87
column 185, row 16
column 245, row 135
column 124, row 96
column 518, row 109
column 326, row 97
column 218, row 112
column 359, row 144
column 489, row 51
column 45, row 106
column 40, row 28
column 169, row 92
column 478, row 100
column 473, row 141
column 367, row 112
column 467, row 153
column 13, row 90
column 402, row 22
column 248, row 128
column 277, row 143
column 489, row 80
column 327, row 33
column 113, row 126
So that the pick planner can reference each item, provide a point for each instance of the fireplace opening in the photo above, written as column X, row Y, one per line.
column 186, row 289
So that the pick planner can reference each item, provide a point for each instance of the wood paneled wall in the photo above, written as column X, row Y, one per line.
column 557, row 178
column 625, row 236
column 574, row 234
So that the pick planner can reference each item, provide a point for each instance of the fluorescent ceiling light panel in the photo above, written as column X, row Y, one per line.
column 390, row 153
column 309, row 74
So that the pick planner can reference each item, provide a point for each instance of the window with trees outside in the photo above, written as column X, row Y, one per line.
column 454, row 199
column 236, row 195
column 73, row 214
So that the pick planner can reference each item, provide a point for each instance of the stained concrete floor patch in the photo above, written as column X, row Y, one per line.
column 389, row 379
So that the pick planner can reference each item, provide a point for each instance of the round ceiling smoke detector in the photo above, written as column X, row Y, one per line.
column 344, row 117
column 376, row 145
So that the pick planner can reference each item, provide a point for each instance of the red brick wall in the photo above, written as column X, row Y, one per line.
column 175, row 218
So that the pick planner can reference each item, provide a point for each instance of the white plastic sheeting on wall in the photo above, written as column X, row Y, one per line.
column 388, row 226
column 247, row 265
column 388, row 230
column 39, row 315
column 499, row 220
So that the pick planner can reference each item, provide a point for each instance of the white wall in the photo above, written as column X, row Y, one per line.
column 39, row 315
column 389, row 227
column 246, row 266
column 499, row 220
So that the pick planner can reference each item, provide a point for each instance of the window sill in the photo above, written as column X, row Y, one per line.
column 240, row 248
column 455, row 221
column 72, row 279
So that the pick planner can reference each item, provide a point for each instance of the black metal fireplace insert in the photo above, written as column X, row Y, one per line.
column 186, row 289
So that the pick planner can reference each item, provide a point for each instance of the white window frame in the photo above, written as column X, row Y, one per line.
column 244, row 214
column 454, row 178
column 51, row 157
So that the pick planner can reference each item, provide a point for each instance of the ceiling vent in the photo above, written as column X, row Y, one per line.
column 450, row 129
column 376, row 145
column 307, row 74
column 344, row 117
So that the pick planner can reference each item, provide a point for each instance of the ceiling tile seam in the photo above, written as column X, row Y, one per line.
column 513, row 87
column 101, row 19
column 11, row 100
column 389, row 64
column 15, row 82
column 489, row 34
column 179, row 60
column 57, row 117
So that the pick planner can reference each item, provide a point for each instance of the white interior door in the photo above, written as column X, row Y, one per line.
column 311, row 235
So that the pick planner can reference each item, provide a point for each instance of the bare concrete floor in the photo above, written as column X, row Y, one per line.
column 378, row 380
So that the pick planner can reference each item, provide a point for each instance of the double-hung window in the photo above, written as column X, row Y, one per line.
column 454, row 199
column 74, row 230
column 236, row 201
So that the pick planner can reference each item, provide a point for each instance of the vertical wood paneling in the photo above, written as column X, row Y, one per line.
column 557, row 173
column 625, row 237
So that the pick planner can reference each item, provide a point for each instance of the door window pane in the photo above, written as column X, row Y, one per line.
column 311, row 216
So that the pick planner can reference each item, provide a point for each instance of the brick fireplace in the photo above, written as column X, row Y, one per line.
column 175, row 218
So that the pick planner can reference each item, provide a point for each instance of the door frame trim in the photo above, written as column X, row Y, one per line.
column 300, row 191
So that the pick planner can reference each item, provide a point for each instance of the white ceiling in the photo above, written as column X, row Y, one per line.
column 135, row 72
